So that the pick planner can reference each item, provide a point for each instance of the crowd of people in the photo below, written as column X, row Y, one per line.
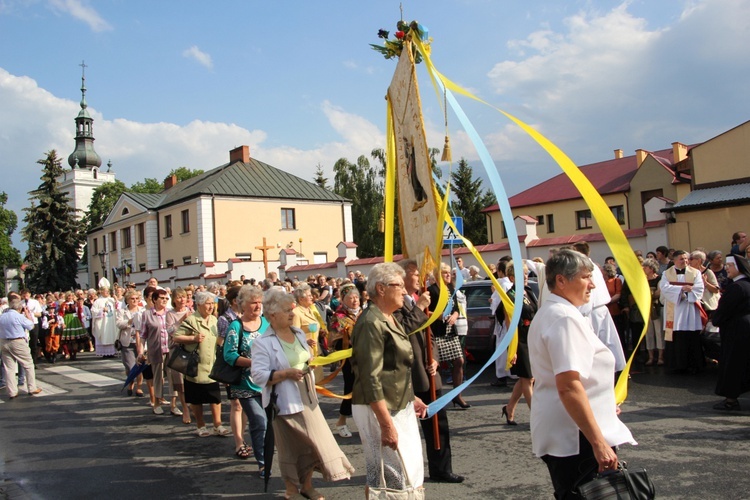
column 578, row 324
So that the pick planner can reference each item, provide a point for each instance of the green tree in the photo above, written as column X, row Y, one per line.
column 469, row 202
column 103, row 200
column 320, row 179
column 9, row 256
column 379, row 155
column 54, row 234
column 360, row 183
column 148, row 186
column 184, row 173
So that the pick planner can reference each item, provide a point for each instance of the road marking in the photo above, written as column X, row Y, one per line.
column 94, row 379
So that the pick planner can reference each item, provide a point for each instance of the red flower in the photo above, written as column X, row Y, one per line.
column 399, row 35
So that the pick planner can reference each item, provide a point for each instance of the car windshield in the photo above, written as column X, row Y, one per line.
column 478, row 296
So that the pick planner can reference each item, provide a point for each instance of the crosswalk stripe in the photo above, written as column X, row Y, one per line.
column 84, row 376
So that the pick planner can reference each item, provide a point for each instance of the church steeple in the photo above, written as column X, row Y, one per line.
column 84, row 155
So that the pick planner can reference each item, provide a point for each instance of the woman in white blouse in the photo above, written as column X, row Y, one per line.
column 574, row 422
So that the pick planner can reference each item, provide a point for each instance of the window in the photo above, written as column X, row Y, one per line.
column 187, row 259
column 96, row 277
column 583, row 219
column 550, row 223
column 505, row 231
column 96, row 247
column 125, row 237
column 185, row 221
column 140, row 233
column 125, row 211
column 141, row 267
column 167, row 226
column 113, row 241
column 287, row 219
column 540, row 220
column 619, row 213
column 170, row 262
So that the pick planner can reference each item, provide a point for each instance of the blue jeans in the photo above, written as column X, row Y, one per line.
column 256, row 417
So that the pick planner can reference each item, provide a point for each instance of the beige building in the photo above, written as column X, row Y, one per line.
column 242, row 218
column 635, row 188
column 719, row 201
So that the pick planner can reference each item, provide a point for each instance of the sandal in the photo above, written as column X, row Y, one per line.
column 243, row 452
column 727, row 405
column 186, row 419
column 203, row 432
column 313, row 494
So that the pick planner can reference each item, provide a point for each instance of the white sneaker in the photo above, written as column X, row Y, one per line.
column 221, row 431
column 158, row 410
column 344, row 431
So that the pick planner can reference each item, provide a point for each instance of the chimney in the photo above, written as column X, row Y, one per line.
column 618, row 154
column 170, row 181
column 241, row 153
column 679, row 152
column 640, row 156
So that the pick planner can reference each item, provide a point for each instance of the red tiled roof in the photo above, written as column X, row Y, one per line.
column 311, row 267
column 575, row 238
column 610, row 176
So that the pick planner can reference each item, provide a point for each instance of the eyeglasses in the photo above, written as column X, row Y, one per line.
column 395, row 285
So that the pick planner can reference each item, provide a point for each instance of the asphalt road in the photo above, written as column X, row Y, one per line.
column 86, row 439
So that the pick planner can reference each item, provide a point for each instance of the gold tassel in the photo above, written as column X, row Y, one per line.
column 381, row 222
column 446, row 150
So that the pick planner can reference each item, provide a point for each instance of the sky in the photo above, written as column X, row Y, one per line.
column 179, row 83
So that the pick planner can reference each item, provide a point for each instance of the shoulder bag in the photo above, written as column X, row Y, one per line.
column 224, row 372
column 184, row 361
column 382, row 492
column 620, row 483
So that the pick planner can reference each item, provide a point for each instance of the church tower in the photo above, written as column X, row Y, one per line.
column 84, row 175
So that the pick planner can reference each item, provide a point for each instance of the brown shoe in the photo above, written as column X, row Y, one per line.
column 37, row 391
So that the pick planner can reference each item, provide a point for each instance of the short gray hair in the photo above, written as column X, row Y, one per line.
column 248, row 293
column 300, row 291
column 697, row 254
column 651, row 264
column 201, row 298
column 566, row 263
column 274, row 301
column 382, row 273
column 16, row 304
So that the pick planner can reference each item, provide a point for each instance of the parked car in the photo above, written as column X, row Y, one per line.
column 480, row 339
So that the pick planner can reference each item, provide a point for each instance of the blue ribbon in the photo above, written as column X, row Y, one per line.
column 515, row 247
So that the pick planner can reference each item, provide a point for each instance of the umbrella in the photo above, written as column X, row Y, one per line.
column 134, row 372
column 268, row 441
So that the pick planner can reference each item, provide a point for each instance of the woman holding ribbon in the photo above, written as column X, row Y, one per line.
column 446, row 335
column 280, row 365
column 341, row 329
column 308, row 319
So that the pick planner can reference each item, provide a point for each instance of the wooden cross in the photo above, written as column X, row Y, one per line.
column 265, row 249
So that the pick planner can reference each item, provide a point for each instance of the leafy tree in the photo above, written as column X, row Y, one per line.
column 148, row 186
column 320, row 178
column 470, row 200
column 184, row 173
column 53, row 232
column 102, row 201
column 379, row 155
column 360, row 183
column 9, row 256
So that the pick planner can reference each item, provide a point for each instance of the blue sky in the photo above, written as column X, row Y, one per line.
column 180, row 83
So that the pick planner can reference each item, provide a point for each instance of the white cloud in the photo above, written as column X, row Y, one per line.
column 83, row 12
column 197, row 54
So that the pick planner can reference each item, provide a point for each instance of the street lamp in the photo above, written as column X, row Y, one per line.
column 300, row 247
column 102, row 255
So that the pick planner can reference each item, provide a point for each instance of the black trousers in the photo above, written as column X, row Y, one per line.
column 438, row 461
column 566, row 471
column 34, row 341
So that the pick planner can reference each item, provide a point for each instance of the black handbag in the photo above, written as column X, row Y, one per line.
column 184, row 361
column 620, row 483
column 224, row 372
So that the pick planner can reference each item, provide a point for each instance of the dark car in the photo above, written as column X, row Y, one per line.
column 480, row 339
